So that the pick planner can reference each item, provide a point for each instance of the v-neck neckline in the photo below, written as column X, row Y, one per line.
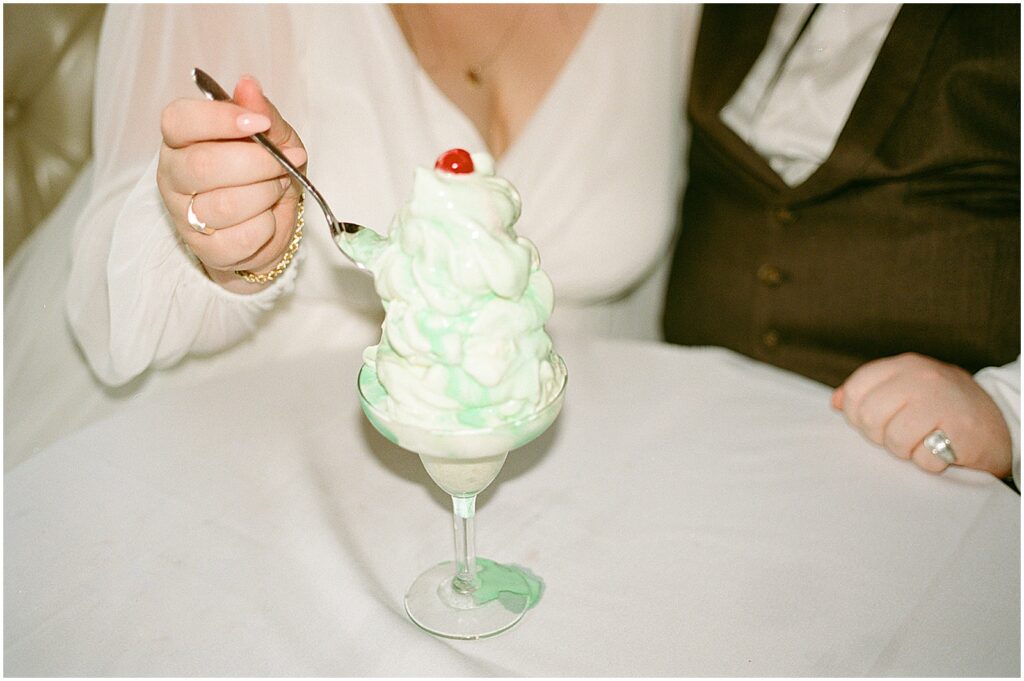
column 564, row 75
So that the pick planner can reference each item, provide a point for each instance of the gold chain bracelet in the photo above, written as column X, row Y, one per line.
column 289, row 254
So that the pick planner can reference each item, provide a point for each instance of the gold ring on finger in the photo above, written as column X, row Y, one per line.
column 194, row 221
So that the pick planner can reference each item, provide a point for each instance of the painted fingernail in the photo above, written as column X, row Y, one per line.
column 249, row 76
column 252, row 123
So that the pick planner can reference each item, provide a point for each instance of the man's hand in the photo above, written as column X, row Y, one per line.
column 897, row 402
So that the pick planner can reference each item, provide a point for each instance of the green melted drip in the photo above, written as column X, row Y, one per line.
column 374, row 392
column 503, row 582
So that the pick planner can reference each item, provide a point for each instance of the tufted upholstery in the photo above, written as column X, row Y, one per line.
column 49, row 63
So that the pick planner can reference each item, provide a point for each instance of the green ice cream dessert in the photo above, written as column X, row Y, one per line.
column 463, row 344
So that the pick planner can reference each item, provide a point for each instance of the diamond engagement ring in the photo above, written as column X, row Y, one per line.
column 938, row 444
column 194, row 221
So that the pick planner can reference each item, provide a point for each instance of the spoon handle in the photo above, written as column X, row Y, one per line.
column 214, row 91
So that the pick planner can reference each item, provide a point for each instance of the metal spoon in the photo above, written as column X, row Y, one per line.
column 340, row 231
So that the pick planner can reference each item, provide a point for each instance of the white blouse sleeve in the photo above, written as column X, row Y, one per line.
column 1003, row 384
column 136, row 298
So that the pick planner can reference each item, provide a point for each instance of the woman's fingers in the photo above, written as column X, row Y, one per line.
column 206, row 166
column 220, row 208
column 249, row 94
column 238, row 246
column 231, row 183
column 187, row 121
column 255, row 245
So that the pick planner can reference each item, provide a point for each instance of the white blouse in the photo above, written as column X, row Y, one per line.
column 599, row 167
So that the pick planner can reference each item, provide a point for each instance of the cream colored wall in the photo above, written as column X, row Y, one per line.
column 49, row 62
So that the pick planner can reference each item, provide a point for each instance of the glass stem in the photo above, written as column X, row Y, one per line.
column 464, row 510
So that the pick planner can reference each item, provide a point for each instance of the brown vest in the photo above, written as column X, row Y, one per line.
column 906, row 239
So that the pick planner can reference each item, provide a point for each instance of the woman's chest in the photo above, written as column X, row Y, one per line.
column 495, row 63
column 598, row 166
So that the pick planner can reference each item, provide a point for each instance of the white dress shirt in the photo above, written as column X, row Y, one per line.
column 794, row 124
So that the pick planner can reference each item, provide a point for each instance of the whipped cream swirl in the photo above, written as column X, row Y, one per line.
column 463, row 342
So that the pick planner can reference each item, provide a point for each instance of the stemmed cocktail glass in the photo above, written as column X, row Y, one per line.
column 466, row 598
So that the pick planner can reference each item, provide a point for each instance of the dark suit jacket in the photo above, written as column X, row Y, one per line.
column 906, row 239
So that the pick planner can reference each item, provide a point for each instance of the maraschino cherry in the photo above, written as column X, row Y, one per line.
column 456, row 161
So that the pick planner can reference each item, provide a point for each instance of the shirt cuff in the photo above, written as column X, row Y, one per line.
column 1003, row 385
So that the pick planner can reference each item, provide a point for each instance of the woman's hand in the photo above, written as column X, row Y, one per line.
column 897, row 402
column 241, row 192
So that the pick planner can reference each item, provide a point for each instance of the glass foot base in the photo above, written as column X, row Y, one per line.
column 436, row 607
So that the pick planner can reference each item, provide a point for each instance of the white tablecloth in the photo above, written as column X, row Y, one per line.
column 691, row 513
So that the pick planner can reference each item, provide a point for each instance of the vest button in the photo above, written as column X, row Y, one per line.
column 784, row 216
column 770, row 339
column 12, row 112
column 769, row 275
